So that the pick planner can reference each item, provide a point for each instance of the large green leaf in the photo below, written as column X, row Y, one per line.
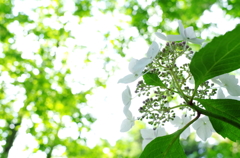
column 225, row 116
column 225, row 129
column 164, row 147
column 153, row 79
column 220, row 56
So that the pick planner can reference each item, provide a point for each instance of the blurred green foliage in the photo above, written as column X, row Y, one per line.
column 34, row 89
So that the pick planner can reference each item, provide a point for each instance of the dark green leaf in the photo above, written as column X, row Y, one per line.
column 226, row 120
column 164, row 147
column 225, row 129
column 220, row 56
column 153, row 79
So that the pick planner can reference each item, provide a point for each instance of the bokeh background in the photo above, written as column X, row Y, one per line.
column 60, row 61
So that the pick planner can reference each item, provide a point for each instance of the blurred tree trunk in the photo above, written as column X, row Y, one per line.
column 12, row 129
column 49, row 155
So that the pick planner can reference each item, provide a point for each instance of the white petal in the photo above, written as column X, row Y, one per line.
column 197, row 124
column 140, row 65
column 146, row 142
column 204, row 133
column 153, row 50
column 132, row 63
column 233, row 97
column 233, row 90
column 126, row 125
column 230, row 82
column 127, row 112
column 176, row 122
column 129, row 78
column 226, row 78
column 181, row 29
column 190, row 32
column 161, row 36
column 126, row 97
column 147, row 133
column 196, row 41
column 160, row 132
column 175, row 38
column 220, row 94
column 185, row 120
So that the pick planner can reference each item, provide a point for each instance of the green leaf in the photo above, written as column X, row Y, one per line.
column 153, row 79
column 225, row 129
column 220, row 56
column 165, row 147
column 224, row 115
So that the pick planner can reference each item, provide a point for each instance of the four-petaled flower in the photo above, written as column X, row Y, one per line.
column 204, row 128
column 149, row 134
column 186, row 34
column 137, row 66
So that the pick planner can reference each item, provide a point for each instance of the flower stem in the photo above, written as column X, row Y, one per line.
column 178, row 86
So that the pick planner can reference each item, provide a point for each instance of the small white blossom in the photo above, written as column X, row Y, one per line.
column 180, row 123
column 204, row 128
column 186, row 34
column 230, row 82
column 148, row 135
column 137, row 66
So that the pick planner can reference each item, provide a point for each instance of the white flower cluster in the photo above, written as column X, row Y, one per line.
column 203, row 125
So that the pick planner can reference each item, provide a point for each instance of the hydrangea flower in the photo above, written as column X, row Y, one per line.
column 129, row 121
column 229, row 82
column 149, row 134
column 180, row 123
column 186, row 34
column 204, row 128
column 137, row 66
